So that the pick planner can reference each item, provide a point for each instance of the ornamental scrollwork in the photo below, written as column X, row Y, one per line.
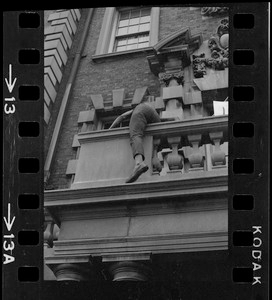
column 218, row 45
column 213, row 11
column 166, row 77
column 199, row 65
column 223, row 28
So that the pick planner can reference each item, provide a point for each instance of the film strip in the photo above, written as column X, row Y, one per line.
column 23, row 159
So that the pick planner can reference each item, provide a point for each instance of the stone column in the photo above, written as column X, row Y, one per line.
column 172, row 93
column 72, row 272
column 130, row 271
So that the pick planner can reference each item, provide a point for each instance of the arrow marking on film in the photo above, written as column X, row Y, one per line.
column 9, row 222
column 10, row 83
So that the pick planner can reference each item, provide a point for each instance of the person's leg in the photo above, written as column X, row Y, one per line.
column 136, row 143
column 137, row 126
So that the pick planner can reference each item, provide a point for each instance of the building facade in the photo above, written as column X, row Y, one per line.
column 171, row 225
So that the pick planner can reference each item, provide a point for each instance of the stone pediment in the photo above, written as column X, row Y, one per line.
column 173, row 52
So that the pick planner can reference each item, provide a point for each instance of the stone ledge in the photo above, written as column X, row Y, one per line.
column 97, row 57
column 188, row 184
column 174, row 243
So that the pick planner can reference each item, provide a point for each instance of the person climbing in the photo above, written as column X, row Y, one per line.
column 141, row 115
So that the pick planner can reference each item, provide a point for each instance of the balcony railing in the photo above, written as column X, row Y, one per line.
column 182, row 148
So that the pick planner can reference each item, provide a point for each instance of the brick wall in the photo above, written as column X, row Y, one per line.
column 176, row 18
column 128, row 71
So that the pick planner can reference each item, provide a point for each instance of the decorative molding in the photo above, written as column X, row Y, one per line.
column 130, row 271
column 165, row 77
column 193, row 204
column 173, row 52
column 57, row 41
column 214, row 11
column 201, row 125
column 71, row 272
column 157, row 244
column 206, row 182
column 218, row 45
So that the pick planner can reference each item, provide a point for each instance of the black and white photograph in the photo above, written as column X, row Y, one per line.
column 136, row 146
column 138, row 194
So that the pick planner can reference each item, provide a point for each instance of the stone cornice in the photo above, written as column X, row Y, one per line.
column 206, row 203
column 80, row 249
column 188, row 184
column 202, row 125
column 98, row 57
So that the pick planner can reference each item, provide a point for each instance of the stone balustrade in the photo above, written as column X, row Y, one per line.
column 172, row 149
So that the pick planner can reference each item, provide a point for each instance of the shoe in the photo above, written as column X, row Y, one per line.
column 138, row 170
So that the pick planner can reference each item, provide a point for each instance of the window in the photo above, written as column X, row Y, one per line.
column 133, row 29
column 130, row 28
column 106, row 122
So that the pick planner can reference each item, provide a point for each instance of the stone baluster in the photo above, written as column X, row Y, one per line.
column 174, row 159
column 164, row 154
column 157, row 166
column 48, row 236
column 196, row 158
column 72, row 271
column 218, row 157
column 130, row 271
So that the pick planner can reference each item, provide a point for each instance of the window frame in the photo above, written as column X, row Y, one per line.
column 114, row 35
column 109, row 119
column 107, row 33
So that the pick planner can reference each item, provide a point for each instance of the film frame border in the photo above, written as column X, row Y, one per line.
column 254, row 184
column 23, row 155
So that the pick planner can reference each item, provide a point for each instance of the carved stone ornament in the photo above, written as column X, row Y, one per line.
column 199, row 65
column 166, row 77
column 172, row 54
column 213, row 11
column 218, row 45
column 223, row 28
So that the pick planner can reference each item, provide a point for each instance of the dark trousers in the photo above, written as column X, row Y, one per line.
column 142, row 115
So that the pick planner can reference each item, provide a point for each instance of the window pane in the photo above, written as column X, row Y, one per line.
column 145, row 12
column 123, row 23
column 133, row 29
column 143, row 38
column 122, row 31
column 144, row 27
column 134, row 21
column 135, row 13
column 133, row 46
column 121, row 42
column 132, row 40
column 124, row 15
column 145, row 19
column 122, row 48
column 142, row 45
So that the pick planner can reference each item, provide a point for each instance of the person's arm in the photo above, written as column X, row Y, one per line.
column 119, row 119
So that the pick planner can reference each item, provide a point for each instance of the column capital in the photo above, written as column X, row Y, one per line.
column 72, row 271
column 130, row 271
column 166, row 77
